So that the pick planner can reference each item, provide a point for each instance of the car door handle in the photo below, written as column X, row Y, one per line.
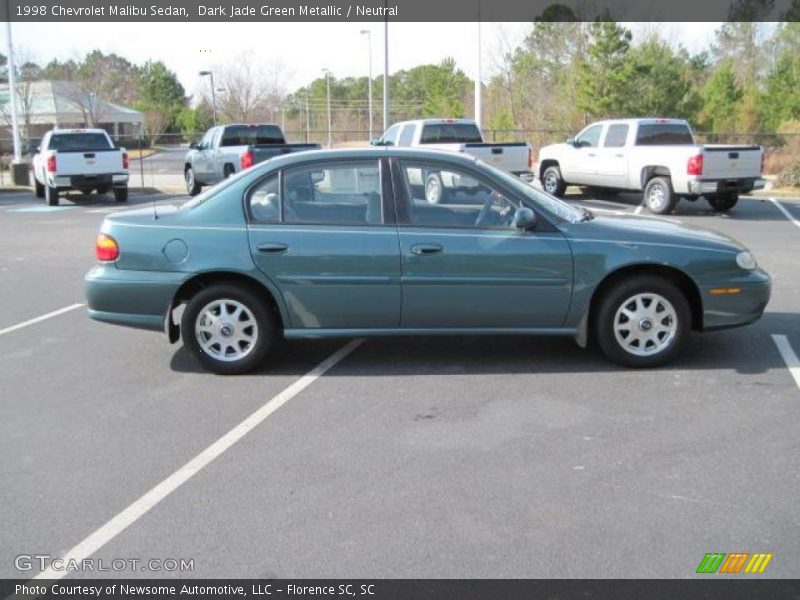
column 591, row 154
column 273, row 248
column 426, row 249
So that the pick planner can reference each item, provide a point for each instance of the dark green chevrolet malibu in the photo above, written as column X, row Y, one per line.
column 389, row 241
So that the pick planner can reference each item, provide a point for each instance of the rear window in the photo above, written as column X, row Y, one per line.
column 252, row 135
column 79, row 142
column 450, row 133
column 664, row 134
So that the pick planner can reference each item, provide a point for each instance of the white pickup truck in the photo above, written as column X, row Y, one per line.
column 79, row 159
column 658, row 156
column 455, row 135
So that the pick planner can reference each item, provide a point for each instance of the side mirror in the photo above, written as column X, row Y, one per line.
column 524, row 218
column 570, row 141
column 376, row 141
column 193, row 146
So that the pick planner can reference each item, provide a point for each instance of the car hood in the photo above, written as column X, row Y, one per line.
column 651, row 230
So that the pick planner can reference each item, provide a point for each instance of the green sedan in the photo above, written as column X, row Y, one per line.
column 344, row 243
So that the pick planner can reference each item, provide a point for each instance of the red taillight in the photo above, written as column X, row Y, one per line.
column 51, row 163
column 248, row 159
column 106, row 248
column 695, row 165
column 125, row 161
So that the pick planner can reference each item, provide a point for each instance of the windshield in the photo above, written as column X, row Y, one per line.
column 252, row 135
column 450, row 133
column 79, row 142
column 538, row 199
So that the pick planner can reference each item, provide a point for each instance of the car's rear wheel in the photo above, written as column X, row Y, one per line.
column 553, row 183
column 659, row 196
column 228, row 328
column 121, row 194
column 39, row 188
column 192, row 187
column 643, row 321
column 723, row 202
column 50, row 195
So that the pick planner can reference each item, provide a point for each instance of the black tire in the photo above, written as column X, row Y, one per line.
column 622, row 295
column 434, row 188
column 50, row 196
column 102, row 191
column 723, row 202
column 39, row 188
column 267, row 330
column 227, row 171
column 659, row 196
column 192, row 187
column 121, row 194
column 553, row 183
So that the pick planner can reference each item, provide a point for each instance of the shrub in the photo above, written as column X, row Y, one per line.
column 789, row 177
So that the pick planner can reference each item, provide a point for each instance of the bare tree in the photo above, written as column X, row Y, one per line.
column 250, row 91
column 155, row 123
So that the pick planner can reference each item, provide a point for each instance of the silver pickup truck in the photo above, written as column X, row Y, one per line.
column 657, row 156
column 228, row 149
column 455, row 135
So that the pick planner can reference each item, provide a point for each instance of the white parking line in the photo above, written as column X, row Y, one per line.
column 785, row 212
column 49, row 315
column 140, row 507
column 789, row 357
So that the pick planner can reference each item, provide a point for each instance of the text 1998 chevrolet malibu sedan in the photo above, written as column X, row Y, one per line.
column 344, row 243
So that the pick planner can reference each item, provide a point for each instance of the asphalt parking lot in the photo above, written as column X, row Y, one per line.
column 448, row 457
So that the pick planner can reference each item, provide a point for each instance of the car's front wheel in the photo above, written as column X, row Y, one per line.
column 228, row 328
column 192, row 187
column 553, row 183
column 643, row 322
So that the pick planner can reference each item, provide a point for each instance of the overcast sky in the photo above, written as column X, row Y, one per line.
column 304, row 49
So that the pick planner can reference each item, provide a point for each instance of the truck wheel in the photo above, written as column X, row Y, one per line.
column 228, row 328
column 39, row 188
column 227, row 171
column 723, row 202
column 434, row 188
column 50, row 196
column 192, row 187
column 644, row 321
column 101, row 191
column 121, row 194
column 659, row 196
column 553, row 183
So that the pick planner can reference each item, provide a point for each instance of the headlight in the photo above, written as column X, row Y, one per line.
column 746, row 261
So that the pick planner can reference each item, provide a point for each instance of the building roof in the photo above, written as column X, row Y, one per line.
column 57, row 102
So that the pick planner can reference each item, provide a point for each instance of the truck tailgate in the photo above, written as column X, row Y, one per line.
column 731, row 162
column 512, row 157
column 93, row 162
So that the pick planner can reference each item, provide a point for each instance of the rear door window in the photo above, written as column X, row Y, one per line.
column 616, row 136
column 406, row 135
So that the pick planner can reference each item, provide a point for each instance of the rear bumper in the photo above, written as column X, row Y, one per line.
column 722, row 186
column 73, row 182
column 736, row 308
column 137, row 299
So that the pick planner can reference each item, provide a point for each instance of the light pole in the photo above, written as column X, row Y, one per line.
column 478, row 104
column 19, row 171
column 328, row 82
column 386, row 71
column 368, row 33
column 213, row 94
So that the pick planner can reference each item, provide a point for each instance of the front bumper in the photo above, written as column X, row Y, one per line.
column 721, row 186
column 137, row 299
column 737, row 302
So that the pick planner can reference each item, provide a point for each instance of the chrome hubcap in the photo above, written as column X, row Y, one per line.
column 226, row 330
column 645, row 324
column 657, row 196
column 433, row 190
column 550, row 183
